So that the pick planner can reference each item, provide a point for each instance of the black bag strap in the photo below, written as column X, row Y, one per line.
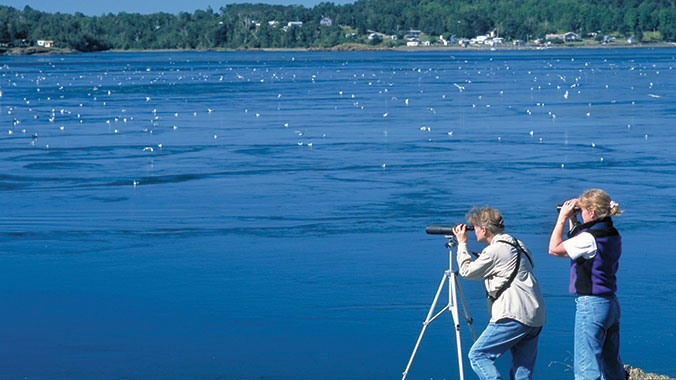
column 519, row 248
column 519, row 251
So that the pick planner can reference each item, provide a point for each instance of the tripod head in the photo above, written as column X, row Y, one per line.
column 452, row 242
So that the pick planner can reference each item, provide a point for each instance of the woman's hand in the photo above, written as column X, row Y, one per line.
column 567, row 210
column 556, row 247
column 460, row 232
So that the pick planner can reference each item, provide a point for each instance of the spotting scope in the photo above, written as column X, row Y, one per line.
column 444, row 230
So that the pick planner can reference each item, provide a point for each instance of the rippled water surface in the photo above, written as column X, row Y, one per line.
column 261, row 215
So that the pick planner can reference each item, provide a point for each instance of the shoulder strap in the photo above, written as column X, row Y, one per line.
column 519, row 248
column 519, row 251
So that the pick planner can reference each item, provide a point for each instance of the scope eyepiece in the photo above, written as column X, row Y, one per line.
column 444, row 230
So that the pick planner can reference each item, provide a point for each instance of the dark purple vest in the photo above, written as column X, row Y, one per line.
column 596, row 276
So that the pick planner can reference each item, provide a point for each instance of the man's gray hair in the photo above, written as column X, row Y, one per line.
column 487, row 217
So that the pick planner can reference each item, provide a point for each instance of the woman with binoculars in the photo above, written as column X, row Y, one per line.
column 594, row 248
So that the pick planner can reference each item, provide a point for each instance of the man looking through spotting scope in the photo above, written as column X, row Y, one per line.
column 515, row 301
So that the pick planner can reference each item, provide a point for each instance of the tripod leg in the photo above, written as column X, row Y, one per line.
column 425, row 324
column 453, row 307
column 468, row 319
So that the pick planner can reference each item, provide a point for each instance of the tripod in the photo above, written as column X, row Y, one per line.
column 454, row 290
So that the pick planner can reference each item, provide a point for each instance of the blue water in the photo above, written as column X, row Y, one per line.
column 281, row 234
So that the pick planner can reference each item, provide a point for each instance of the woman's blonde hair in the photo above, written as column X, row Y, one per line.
column 486, row 217
column 599, row 201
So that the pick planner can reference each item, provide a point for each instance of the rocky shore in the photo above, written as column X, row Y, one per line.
column 638, row 374
column 36, row 50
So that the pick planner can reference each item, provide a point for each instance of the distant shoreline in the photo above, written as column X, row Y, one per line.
column 40, row 51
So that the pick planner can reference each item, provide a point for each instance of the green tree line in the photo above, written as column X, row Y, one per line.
column 265, row 26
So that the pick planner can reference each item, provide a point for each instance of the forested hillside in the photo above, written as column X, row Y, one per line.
column 266, row 26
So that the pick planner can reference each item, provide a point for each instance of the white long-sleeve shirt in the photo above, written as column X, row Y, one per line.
column 522, row 300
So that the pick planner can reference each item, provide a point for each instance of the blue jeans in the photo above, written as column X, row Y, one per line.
column 597, row 339
column 505, row 334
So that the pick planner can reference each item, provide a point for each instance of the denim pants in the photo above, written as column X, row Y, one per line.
column 597, row 338
column 505, row 334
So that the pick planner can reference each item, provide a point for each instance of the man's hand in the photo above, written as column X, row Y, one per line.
column 460, row 232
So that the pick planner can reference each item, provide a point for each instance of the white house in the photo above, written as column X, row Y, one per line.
column 45, row 43
column 565, row 37
column 496, row 41
column 326, row 21
column 413, row 35
column 450, row 41
column 373, row 34
column 292, row 24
